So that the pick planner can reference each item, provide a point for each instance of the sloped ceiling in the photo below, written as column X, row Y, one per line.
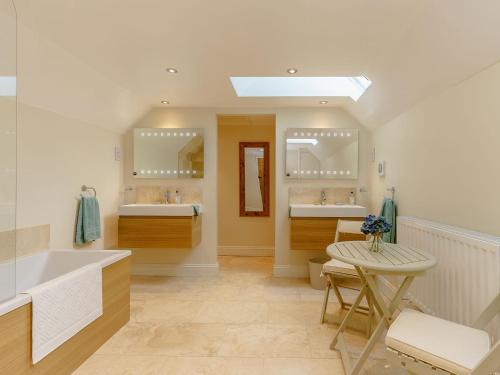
column 408, row 49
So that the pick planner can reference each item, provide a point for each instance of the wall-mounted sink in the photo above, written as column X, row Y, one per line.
column 143, row 209
column 327, row 210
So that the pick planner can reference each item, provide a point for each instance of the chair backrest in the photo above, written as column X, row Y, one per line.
column 349, row 230
column 491, row 362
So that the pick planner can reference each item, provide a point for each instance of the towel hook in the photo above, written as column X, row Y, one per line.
column 392, row 189
column 86, row 188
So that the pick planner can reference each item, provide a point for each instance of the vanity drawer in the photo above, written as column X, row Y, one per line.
column 169, row 232
column 316, row 233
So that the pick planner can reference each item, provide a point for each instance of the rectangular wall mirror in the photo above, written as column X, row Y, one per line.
column 322, row 153
column 254, row 178
column 168, row 153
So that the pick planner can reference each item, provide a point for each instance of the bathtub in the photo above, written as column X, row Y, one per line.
column 41, row 267
column 33, row 270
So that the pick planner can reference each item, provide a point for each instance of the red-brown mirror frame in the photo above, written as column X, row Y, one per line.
column 265, row 199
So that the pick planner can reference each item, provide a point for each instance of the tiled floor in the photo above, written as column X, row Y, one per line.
column 243, row 321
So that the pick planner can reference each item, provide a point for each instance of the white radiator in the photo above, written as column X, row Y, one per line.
column 467, row 276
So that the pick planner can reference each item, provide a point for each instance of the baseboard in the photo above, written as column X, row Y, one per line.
column 291, row 270
column 256, row 251
column 162, row 269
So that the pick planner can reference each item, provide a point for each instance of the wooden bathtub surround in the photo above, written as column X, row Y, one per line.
column 15, row 330
column 316, row 233
column 168, row 232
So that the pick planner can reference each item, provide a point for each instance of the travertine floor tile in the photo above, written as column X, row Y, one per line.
column 244, row 340
column 234, row 312
column 302, row 366
column 289, row 313
column 214, row 366
column 242, row 322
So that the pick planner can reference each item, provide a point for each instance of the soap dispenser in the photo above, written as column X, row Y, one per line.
column 177, row 197
column 352, row 199
column 166, row 196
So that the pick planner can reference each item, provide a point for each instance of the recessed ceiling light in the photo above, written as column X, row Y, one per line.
column 172, row 70
column 323, row 102
column 165, row 102
column 292, row 70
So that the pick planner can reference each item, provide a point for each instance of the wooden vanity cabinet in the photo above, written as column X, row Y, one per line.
column 162, row 232
column 316, row 233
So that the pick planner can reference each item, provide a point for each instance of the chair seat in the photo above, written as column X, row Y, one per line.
column 441, row 343
column 337, row 267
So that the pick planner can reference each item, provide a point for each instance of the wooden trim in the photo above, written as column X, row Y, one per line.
column 316, row 233
column 15, row 330
column 161, row 232
column 266, row 197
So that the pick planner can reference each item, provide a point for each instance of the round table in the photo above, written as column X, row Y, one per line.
column 394, row 259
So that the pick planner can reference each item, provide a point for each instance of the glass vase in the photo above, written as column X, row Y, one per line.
column 377, row 244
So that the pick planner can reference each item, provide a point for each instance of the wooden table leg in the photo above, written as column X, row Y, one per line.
column 351, row 312
column 386, row 311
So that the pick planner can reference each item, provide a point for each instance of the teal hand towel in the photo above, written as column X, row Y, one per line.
column 388, row 211
column 88, row 225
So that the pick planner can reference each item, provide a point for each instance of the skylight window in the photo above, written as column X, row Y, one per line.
column 352, row 87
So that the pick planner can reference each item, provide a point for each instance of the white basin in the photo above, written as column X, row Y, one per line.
column 142, row 209
column 328, row 210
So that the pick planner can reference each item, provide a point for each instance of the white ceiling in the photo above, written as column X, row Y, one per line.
column 408, row 49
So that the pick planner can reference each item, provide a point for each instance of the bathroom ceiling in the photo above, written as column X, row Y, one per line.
column 408, row 49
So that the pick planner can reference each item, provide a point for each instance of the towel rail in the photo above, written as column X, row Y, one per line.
column 86, row 188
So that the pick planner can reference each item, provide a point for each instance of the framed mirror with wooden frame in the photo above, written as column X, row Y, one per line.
column 254, row 179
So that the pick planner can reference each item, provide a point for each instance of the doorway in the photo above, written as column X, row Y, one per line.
column 247, row 234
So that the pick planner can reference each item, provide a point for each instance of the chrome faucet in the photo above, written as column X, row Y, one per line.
column 323, row 198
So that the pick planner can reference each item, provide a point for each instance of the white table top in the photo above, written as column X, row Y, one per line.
column 393, row 258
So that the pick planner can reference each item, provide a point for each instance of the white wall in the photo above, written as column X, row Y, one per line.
column 56, row 156
column 443, row 156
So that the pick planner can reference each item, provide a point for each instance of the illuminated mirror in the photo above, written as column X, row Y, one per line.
column 322, row 153
column 168, row 153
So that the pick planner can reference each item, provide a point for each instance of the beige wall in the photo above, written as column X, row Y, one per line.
column 242, row 235
column 64, row 107
column 294, row 263
column 443, row 156
column 203, row 259
column 56, row 156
